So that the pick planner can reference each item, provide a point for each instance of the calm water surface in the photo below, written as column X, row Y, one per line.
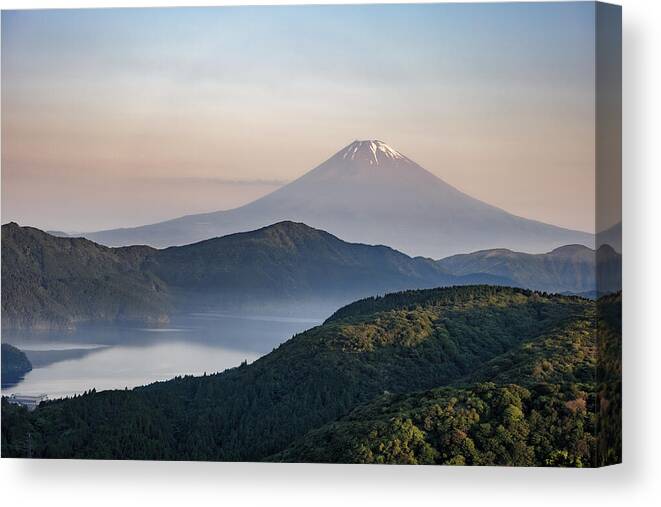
column 115, row 357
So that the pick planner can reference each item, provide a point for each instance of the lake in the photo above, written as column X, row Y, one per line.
column 115, row 357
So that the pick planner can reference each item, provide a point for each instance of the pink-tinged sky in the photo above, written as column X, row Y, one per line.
column 122, row 117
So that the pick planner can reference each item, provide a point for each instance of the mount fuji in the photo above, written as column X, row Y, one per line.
column 368, row 192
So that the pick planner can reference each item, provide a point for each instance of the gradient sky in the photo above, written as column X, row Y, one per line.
column 116, row 117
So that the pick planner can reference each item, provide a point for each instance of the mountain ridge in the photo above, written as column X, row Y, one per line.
column 569, row 268
column 283, row 262
column 51, row 281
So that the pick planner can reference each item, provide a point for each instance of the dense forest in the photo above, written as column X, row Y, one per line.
column 486, row 424
column 473, row 375
column 55, row 282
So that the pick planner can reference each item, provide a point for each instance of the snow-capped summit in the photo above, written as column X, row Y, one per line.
column 371, row 151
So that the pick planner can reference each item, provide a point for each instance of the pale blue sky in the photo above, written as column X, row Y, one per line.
column 133, row 106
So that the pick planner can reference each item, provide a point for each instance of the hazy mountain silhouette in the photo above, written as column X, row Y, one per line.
column 572, row 269
column 611, row 237
column 369, row 193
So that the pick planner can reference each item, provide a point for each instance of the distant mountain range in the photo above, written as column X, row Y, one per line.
column 368, row 192
column 611, row 237
column 52, row 281
column 568, row 269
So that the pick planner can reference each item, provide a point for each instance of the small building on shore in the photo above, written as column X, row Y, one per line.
column 28, row 401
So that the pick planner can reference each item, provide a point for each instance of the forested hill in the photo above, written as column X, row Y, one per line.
column 52, row 281
column 290, row 259
column 392, row 346
column 551, row 401
column 15, row 364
